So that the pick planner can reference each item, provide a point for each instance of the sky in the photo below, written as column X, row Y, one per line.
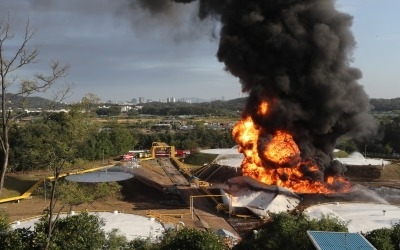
column 119, row 55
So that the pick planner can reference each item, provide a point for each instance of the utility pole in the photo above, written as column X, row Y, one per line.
column 365, row 151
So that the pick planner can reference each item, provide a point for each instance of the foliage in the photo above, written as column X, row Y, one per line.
column 82, row 231
column 385, row 104
column 286, row 231
column 347, row 144
column 88, row 104
column 21, row 238
column 72, row 194
column 4, row 222
column 143, row 244
column 199, row 158
column 191, row 239
column 133, row 113
column 381, row 238
column 385, row 238
column 392, row 136
column 396, row 235
column 114, row 240
column 4, row 228
column 109, row 111
column 34, row 143
column 229, row 108
column 121, row 139
column 199, row 137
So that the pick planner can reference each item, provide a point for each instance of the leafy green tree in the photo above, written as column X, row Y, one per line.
column 121, row 139
column 143, row 244
column 191, row 239
column 381, row 238
column 21, row 238
column 11, row 239
column 97, row 146
column 82, row 231
column 286, row 231
column 346, row 144
column 110, row 111
column 28, row 151
column 392, row 136
column 59, row 149
column 88, row 104
column 71, row 194
column 115, row 241
column 396, row 235
column 4, row 227
column 133, row 113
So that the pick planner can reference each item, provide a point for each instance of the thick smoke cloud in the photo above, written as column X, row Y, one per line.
column 177, row 21
column 296, row 55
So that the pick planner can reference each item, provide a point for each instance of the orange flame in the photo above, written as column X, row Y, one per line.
column 278, row 161
column 263, row 108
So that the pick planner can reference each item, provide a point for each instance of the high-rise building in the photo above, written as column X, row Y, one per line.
column 171, row 99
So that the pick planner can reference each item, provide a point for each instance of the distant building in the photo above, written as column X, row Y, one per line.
column 185, row 100
column 171, row 100
column 125, row 108
column 141, row 99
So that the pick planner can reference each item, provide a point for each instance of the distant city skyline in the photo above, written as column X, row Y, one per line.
column 143, row 99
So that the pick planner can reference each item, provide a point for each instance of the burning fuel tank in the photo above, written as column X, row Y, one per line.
column 244, row 192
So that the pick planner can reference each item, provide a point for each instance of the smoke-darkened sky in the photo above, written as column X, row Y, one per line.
column 119, row 55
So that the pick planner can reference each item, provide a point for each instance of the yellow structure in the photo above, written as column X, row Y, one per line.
column 29, row 192
column 162, row 149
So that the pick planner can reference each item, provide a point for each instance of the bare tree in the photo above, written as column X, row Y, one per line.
column 11, row 63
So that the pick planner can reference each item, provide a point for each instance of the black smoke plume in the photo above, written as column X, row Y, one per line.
column 296, row 55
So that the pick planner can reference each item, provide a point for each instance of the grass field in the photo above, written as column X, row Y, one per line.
column 16, row 185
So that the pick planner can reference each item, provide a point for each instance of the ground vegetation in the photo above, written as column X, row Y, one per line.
column 288, row 231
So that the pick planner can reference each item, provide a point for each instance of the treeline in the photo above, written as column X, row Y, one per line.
column 32, row 142
column 229, row 108
column 385, row 144
column 385, row 105
column 78, row 137
column 217, row 108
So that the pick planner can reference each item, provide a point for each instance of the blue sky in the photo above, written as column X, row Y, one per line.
column 114, row 55
column 376, row 30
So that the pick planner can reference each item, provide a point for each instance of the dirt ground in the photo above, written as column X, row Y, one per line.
column 141, row 199
column 137, row 199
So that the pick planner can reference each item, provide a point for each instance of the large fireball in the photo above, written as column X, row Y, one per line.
column 274, row 158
